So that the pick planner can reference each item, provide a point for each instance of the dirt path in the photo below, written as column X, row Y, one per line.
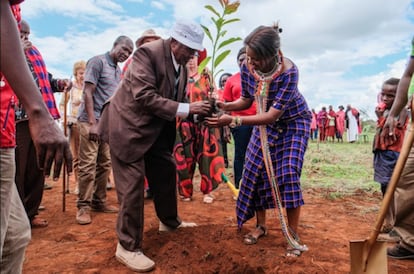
column 214, row 246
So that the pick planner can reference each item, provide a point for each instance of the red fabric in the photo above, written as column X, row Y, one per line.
column 124, row 69
column 399, row 131
column 7, row 125
column 232, row 92
column 16, row 12
column 202, row 54
column 39, row 67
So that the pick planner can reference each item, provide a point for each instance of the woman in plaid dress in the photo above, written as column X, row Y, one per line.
column 275, row 154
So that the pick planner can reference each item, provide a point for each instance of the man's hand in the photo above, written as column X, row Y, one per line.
column 52, row 146
column 65, row 85
column 26, row 44
column 93, row 133
column 201, row 108
column 388, row 135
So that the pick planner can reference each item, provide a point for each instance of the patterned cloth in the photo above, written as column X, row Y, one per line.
column 197, row 143
column 287, row 140
column 41, row 77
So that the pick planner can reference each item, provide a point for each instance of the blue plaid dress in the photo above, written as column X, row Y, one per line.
column 287, row 138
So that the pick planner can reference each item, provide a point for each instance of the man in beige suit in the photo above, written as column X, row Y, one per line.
column 139, row 123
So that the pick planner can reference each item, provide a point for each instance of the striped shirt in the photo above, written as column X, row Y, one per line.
column 102, row 72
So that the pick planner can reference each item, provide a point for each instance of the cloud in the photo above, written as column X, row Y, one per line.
column 158, row 5
column 344, row 49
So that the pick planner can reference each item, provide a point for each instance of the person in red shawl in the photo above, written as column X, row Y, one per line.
column 331, row 125
column 322, row 120
column 340, row 124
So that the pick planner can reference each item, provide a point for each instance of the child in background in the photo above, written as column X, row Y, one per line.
column 385, row 156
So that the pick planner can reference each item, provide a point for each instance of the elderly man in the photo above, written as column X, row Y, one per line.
column 139, row 124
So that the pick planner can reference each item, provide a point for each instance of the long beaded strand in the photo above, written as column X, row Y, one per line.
column 261, row 95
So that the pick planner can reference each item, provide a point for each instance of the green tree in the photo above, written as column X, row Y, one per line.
column 218, row 37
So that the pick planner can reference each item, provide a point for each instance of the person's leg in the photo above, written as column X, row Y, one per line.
column 224, row 146
column 185, row 159
column 259, row 231
column 163, row 184
column 404, row 213
column 74, row 146
column 129, row 178
column 29, row 174
column 241, row 136
column 15, row 228
column 293, row 215
column 130, row 222
column 88, row 153
column 210, row 160
column 18, row 236
column 103, row 169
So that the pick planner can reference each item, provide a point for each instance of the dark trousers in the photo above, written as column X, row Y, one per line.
column 224, row 147
column 158, row 166
column 241, row 136
column 29, row 178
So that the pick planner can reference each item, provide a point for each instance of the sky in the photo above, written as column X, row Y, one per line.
column 344, row 50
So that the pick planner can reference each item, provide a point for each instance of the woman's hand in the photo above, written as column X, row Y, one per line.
column 218, row 121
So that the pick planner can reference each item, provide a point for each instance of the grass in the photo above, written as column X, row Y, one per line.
column 337, row 169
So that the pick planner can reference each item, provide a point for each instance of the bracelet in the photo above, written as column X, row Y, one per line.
column 238, row 121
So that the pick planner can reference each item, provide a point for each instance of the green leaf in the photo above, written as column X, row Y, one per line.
column 207, row 32
column 203, row 64
column 231, row 21
column 210, row 8
column 219, row 23
column 228, row 41
column 221, row 57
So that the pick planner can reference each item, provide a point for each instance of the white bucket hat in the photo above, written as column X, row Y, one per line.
column 188, row 33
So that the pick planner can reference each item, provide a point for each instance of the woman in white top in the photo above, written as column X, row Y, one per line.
column 74, row 98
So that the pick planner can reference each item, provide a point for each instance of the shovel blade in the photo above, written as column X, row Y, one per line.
column 376, row 262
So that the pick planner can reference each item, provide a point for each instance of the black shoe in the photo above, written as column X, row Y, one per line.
column 47, row 186
column 400, row 253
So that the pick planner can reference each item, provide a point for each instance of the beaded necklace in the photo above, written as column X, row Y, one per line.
column 261, row 95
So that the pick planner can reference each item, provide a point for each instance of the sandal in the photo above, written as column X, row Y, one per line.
column 208, row 198
column 251, row 238
column 38, row 223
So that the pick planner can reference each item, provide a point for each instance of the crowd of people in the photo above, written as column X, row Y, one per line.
column 330, row 125
column 160, row 110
